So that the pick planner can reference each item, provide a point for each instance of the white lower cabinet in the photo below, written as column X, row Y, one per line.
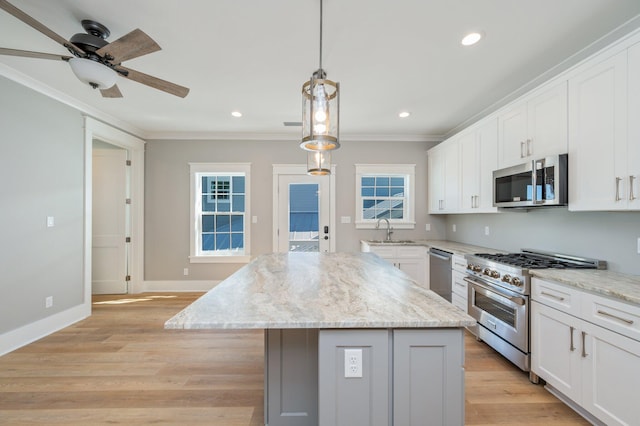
column 459, row 291
column 594, row 367
column 410, row 259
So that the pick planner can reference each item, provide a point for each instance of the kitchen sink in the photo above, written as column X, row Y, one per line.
column 391, row 241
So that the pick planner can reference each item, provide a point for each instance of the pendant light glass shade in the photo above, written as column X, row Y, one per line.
column 320, row 113
column 319, row 163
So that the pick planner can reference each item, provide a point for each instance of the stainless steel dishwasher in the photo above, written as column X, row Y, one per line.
column 440, row 272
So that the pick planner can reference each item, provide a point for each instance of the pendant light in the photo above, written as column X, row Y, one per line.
column 320, row 110
column 319, row 163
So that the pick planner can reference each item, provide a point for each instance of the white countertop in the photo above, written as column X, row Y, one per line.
column 450, row 246
column 319, row 290
column 607, row 283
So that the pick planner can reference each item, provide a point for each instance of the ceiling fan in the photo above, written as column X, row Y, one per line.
column 96, row 61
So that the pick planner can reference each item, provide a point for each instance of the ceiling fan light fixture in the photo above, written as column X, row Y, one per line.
column 93, row 73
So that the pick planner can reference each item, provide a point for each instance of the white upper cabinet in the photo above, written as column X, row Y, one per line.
column 534, row 128
column 599, row 160
column 633, row 145
column 443, row 185
column 478, row 160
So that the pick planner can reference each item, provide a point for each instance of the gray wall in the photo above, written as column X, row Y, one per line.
column 167, row 196
column 610, row 236
column 41, row 174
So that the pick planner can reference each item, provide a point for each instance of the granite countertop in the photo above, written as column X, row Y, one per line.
column 319, row 290
column 607, row 283
column 450, row 246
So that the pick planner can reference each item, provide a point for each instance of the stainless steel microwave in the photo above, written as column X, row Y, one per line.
column 537, row 183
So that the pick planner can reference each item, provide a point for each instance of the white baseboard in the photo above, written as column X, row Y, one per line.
column 24, row 335
column 175, row 286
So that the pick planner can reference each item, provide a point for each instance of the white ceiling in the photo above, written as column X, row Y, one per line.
column 254, row 55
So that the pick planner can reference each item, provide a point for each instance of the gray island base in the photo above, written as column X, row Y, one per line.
column 349, row 340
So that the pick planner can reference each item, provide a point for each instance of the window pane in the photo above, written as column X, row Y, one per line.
column 397, row 181
column 367, row 192
column 208, row 204
column 367, row 204
column 237, row 241
column 223, row 223
column 222, row 242
column 396, row 214
column 237, row 223
column 382, row 181
column 238, row 203
column 238, row 184
column 207, row 223
column 382, row 192
column 207, row 242
column 382, row 214
column 224, row 205
column 368, row 181
column 397, row 191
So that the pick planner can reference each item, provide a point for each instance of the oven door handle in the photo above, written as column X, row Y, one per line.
column 513, row 299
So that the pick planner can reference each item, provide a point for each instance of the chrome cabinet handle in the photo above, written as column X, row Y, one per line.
column 522, row 149
column 571, row 347
column 607, row 314
column 618, row 179
column 529, row 152
column 544, row 293
column 584, row 349
column 631, row 196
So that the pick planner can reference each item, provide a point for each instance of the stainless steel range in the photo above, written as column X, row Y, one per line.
column 499, row 287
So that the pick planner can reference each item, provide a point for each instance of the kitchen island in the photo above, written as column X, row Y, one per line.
column 328, row 316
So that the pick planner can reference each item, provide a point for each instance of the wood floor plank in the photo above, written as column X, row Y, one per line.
column 120, row 366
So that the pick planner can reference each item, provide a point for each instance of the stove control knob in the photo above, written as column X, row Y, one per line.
column 486, row 271
column 477, row 268
column 469, row 266
column 516, row 281
column 506, row 278
column 494, row 274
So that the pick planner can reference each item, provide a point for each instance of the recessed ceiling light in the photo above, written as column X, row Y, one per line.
column 404, row 114
column 236, row 114
column 471, row 39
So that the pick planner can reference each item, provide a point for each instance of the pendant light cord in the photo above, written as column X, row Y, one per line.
column 321, row 37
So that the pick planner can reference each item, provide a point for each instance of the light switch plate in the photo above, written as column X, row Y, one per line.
column 50, row 222
column 345, row 219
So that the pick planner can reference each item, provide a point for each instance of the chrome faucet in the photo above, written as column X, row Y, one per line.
column 389, row 228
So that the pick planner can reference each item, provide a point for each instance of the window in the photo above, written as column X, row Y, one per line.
column 385, row 192
column 219, row 212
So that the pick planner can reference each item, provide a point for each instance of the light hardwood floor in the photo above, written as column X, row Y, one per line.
column 121, row 367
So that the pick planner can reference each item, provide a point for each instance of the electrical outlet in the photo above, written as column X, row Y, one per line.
column 345, row 219
column 51, row 222
column 486, row 230
column 638, row 245
column 185, row 271
column 427, row 227
column 353, row 363
column 453, row 227
column 254, row 219
column 48, row 302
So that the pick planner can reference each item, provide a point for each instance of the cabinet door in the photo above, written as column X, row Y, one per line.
column 547, row 123
column 598, row 136
column 634, row 127
column 611, row 371
column 435, row 184
column 451, row 177
column 412, row 267
column 512, row 136
column 487, row 147
column 555, row 349
column 469, row 172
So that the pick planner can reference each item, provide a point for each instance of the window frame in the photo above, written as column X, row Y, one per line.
column 196, row 171
column 408, row 172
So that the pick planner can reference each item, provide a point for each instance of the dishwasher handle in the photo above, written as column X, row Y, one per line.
column 440, row 254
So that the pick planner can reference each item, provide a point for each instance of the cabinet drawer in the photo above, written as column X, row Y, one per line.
column 564, row 298
column 611, row 314
column 410, row 251
column 459, row 302
column 458, row 263
column 458, row 284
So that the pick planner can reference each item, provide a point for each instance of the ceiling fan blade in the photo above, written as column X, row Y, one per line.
column 30, row 54
column 112, row 92
column 154, row 82
column 129, row 46
column 9, row 8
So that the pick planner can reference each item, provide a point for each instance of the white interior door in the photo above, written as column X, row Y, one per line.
column 302, row 213
column 109, row 249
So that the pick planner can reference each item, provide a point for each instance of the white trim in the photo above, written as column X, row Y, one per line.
column 301, row 169
column 94, row 129
column 29, row 333
column 220, row 259
column 168, row 286
column 286, row 137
